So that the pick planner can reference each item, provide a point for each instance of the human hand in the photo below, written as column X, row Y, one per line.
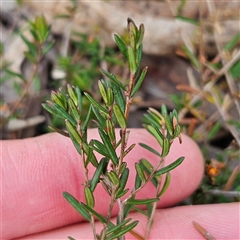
column 36, row 171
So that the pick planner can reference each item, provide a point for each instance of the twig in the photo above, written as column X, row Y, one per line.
column 203, row 231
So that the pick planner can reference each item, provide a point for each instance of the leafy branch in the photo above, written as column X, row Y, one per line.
column 111, row 170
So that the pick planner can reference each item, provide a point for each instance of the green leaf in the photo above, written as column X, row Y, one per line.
column 79, row 98
column 139, row 82
column 140, row 172
column 156, row 133
column 87, row 119
column 138, row 59
column 71, row 238
column 126, row 210
column 169, row 167
column 61, row 112
column 151, row 120
column 76, row 204
column 141, row 201
column 123, row 182
column 90, row 156
column 121, row 45
column 149, row 149
column 14, row 74
column 109, row 147
column 47, row 48
column 100, row 148
column 168, row 124
column 101, row 121
column 73, row 110
column 193, row 59
column 114, row 79
column 214, row 130
column 72, row 94
column 89, row 197
column 138, row 182
column 189, row 20
column 95, row 103
column 103, row 91
column 122, row 193
column 113, row 178
column 118, row 95
column 100, row 217
column 62, row 132
column 97, row 173
column 124, row 230
column 181, row 5
column 131, row 60
column 32, row 48
column 233, row 42
column 140, row 210
column 165, row 148
column 165, row 185
column 110, row 96
column 119, row 116
column 74, row 135
column 140, row 35
column 110, row 130
column 148, row 168
column 119, row 226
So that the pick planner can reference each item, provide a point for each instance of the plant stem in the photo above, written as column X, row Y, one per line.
column 92, row 221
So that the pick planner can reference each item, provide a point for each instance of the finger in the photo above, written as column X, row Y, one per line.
column 174, row 223
column 36, row 172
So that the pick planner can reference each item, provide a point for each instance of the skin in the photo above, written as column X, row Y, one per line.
column 36, row 171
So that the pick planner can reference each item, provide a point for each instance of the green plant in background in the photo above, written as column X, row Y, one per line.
column 216, row 88
column 111, row 171
column 37, row 47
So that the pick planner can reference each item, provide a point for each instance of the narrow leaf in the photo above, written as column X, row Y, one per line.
column 141, row 35
column 123, row 182
column 97, row 174
column 114, row 79
column 118, row 95
column 76, row 204
column 139, row 82
column 101, row 121
column 141, row 201
column 100, row 148
column 14, row 74
column 169, row 167
column 149, row 149
column 140, row 210
column 165, row 185
column 103, row 91
column 188, row 20
column 124, row 230
column 74, row 135
column 138, row 182
column 119, row 116
column 120, row 225
column 109, row 147
column 131, row 60
column 100, row 217
column 148, row 168
column 87, row 119
column 89, row 197
column 113, row 178
column 165, row 148
column 140, row 172
column 156, row 133
column 95, row 103
column 121, row 45
column 64, row 114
